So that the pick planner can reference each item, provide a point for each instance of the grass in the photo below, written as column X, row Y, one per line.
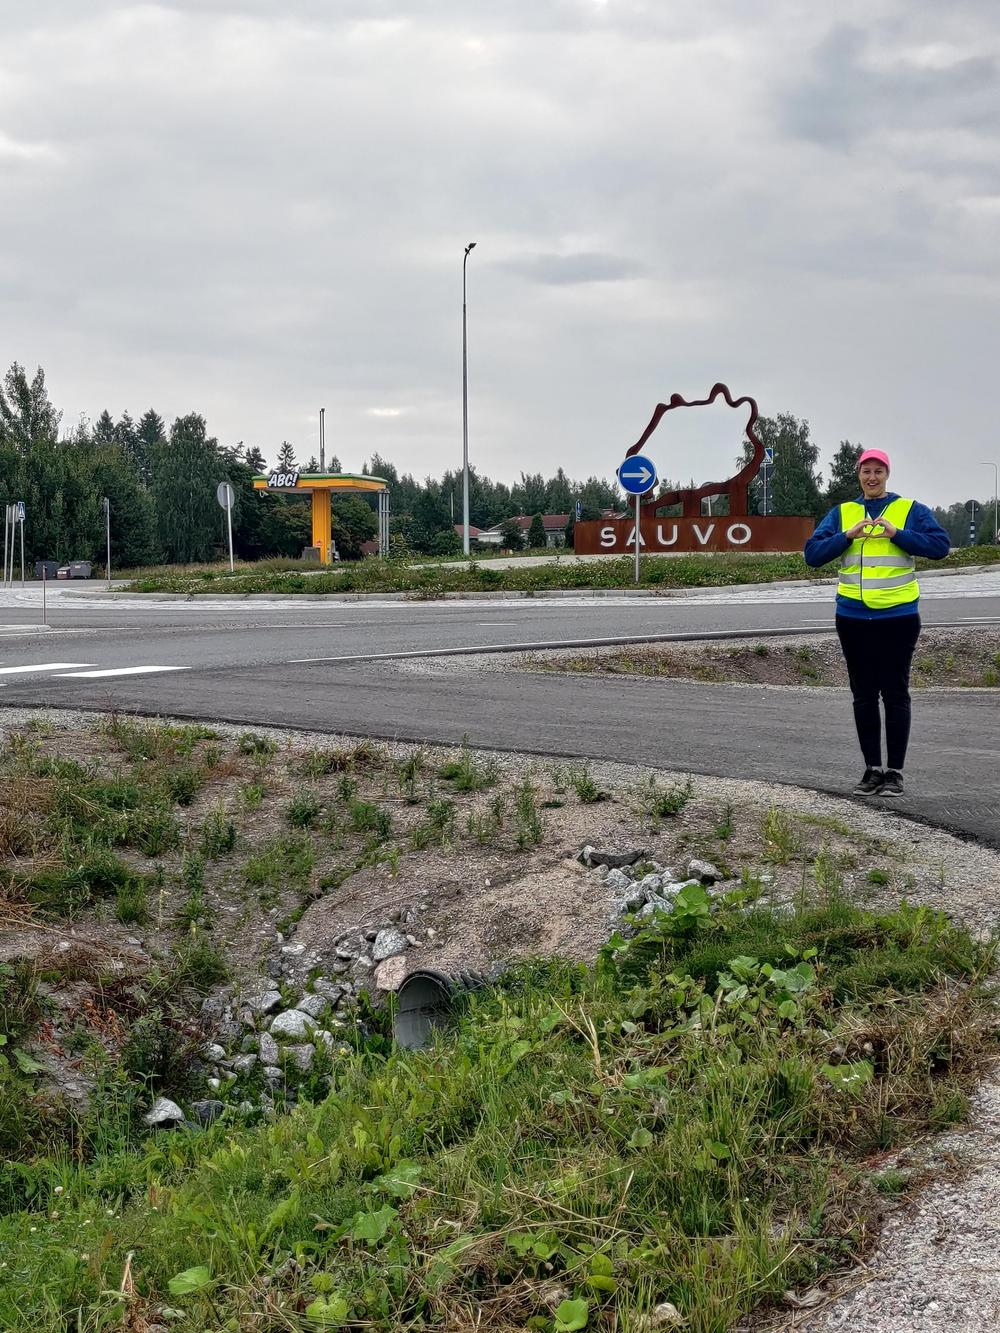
column 686, row 1121
column 434, row 580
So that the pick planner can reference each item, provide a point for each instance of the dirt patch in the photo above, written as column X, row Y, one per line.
column 951, row 658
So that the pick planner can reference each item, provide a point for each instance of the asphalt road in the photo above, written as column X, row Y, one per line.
column 245, row 664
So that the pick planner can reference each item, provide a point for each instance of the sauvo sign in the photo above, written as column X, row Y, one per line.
column 752, row 533
column 282, row 481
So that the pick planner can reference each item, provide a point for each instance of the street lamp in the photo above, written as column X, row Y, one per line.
column 996, row 488
column 465, row 410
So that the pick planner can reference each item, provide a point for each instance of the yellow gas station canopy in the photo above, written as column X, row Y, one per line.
column 318, row 481
column 320, row 486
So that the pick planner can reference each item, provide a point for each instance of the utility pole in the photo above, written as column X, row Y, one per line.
column 996, row 500
column 465, row 407
column 322, row 439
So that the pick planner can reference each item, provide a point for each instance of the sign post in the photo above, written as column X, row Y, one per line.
column 225, row 495
column 637, row 475
column 765, row 472
column 6, row 530
column 20, row 523
column 106, row 506
column 970, row 509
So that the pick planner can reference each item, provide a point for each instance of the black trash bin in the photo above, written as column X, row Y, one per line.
column 46, row 569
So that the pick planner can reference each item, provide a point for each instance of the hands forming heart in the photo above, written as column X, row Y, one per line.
column 872, row 527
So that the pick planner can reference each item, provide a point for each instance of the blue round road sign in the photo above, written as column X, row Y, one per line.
column 637, row 475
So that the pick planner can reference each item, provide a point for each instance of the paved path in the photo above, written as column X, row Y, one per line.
column 316, row 666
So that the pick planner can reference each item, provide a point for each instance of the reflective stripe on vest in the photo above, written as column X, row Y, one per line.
column 872, row 569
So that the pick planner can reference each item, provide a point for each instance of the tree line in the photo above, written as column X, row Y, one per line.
column 161, row 482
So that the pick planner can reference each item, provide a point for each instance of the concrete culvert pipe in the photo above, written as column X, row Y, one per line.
column 428, row 1000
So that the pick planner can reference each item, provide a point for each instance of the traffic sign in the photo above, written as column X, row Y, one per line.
column 225, row 494
column 18, row 511
column 579, row 510
column 768, row 457
column 637, row 475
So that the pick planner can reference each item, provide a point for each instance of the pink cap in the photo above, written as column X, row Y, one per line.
column 875, row 456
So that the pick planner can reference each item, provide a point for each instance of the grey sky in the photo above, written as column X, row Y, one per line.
column 254, row 209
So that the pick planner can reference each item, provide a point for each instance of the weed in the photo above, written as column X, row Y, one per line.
column 132, row 902
column 761, row 650
column 154, row 830
column 664, row 802
column 528, row 826
column 369, row 817
column 441, row 819
column 724, row 828
column 879, row 877
column 991, row 678
column 466, row 774
column 891, row 1181
column 192, row 910
column 587, row 790
column 407, row 773
column 249, row 743
column 184, row 785
column 347, row 788
column 282, row 862
column 218, row 834
column 199, row 963
column 303, row 810
column 781, row 842
column 252, row 794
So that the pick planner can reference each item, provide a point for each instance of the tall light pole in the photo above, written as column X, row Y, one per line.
column 465, row 409
column 996, row 488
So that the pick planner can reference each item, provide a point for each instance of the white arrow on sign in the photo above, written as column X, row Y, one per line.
column 641, row 473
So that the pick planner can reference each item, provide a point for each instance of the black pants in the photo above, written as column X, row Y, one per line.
column 878, row 655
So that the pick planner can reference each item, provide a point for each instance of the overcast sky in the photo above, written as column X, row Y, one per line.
column 255, row 209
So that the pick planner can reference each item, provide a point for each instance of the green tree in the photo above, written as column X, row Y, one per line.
column 354, row 522
column 26, row 415
column 254, row 459
column 559, row 496
column 536, row 532
column 843, row 484
column 510, row 535
column 286, row 457
column 149, row 433
column 186, row 470
column 794, row 482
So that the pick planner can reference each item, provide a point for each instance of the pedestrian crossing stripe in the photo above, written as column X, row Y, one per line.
column 42, row 666
column 116, row 671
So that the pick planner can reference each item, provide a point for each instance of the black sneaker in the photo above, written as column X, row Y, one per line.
column 892, row 783
column 871, row 783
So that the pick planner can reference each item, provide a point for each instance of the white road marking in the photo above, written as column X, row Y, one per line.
column 118, row 671
column 40, row 666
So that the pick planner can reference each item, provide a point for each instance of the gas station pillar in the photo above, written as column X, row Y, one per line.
column 322, row 523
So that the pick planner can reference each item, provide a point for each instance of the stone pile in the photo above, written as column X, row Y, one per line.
column 643, row 887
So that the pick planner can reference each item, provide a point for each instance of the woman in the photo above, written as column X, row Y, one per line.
column 877, row 536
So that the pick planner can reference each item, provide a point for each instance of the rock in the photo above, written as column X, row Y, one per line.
column 345, row 952
column 591, row 856
column 213, row 1051
column 387, row 944
column 313, row 1005
column 618, row 882
column 268, row 1049
column 244, row 1063
column 292, row 1023
column 665, row 1315
column 249, row 1043
column 329, row 990
column 390, row 973
column 273, row 1076
column 274, row 968
column 703, row 871
column 301, row 1056
column 208, row 1111
column 371, row 934
column 214, row 1084
column 213, row 1006
column 228, row 1030
column 247, row 1017
column 292, row 950
column 263, row 1001
column 651, row 883
column 362, row 963
column 164, row 1114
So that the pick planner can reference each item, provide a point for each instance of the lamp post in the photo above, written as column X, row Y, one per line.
column 996, row 488
column 465, row 409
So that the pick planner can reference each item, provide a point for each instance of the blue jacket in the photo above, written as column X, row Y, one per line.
column 923, row 535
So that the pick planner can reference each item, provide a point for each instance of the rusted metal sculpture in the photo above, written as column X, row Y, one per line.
column 690, row 530
column 736, row 487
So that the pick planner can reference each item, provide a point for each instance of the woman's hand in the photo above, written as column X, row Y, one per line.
column 872, row 527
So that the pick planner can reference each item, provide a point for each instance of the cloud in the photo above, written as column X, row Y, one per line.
column 252, row 208
column 569, row 270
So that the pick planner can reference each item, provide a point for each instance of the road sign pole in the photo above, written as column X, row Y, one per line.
column 637, row 501
column 107, row 521
column 21, row 526
column 229, row 525
column 6, row 525
column 45, row 609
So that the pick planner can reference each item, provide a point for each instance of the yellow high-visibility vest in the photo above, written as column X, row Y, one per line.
column 873, row 570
